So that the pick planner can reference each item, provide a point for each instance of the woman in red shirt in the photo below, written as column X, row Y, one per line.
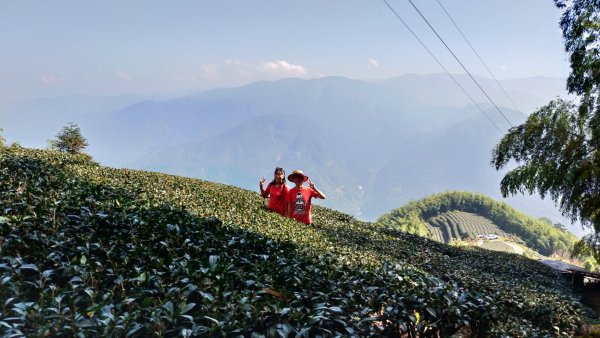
column 299, row 197
column 277, row 190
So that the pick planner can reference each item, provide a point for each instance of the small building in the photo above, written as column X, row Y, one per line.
column 489, row 237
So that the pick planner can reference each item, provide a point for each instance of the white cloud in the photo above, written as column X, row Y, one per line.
column 210, row 72
column 185, row 78
column 123, row 75
column 240, row 71
column 237, row 69
column 237, row 63
column 282, row 67
column 244, row 73
column 51, row 79
column 372, row 63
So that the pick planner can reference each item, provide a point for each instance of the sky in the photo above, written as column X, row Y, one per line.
column 169, row 48
column 56, row 48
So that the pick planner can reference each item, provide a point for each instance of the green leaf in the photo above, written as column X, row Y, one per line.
column 212, row 319
column 168, row 306
column 29, row 267
column 212, row 260
column 187, row 307
column 207, row 296
column 335, row 309
column 136, row 327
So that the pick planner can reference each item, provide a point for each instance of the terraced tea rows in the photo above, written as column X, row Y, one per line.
column 460, row 225
column 434, row 217
column 93, row 251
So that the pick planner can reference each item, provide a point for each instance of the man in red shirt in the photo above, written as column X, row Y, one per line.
column 299, row 197
column 277, row 189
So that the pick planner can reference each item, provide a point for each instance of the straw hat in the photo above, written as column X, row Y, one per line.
column 297, row 172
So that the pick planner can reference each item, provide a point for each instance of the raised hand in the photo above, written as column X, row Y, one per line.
column 313, row 187
column 262, row 182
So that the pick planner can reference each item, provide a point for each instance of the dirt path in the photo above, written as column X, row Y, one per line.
column 519, row 250
column 499, row 245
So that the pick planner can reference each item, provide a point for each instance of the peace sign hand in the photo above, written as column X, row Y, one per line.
column 262, row 182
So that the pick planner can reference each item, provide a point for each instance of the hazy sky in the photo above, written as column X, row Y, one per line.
column 53, row 48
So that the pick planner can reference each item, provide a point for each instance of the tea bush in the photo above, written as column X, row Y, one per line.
column 92, row 251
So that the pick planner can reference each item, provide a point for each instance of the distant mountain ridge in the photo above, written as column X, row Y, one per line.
column 527, row 93
column 371, row 145
column 33, row 122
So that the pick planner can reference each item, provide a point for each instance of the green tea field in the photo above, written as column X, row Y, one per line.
column 459, row 224
column 92, row 251
column 460, row 215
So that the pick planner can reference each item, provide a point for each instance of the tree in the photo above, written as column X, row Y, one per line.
column 69, row 140
column 557, row 149
column 588, row 247
column 2, row 140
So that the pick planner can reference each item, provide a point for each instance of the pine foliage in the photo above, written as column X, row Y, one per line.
column 69, row 140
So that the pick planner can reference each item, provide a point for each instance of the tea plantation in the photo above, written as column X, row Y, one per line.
column 460, row 215
column 458, row 224
column 91, row 251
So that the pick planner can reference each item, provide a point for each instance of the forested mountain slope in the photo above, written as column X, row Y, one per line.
column 95, row 251
column 460, row 215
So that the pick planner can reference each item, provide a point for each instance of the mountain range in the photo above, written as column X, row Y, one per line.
column 370, row 145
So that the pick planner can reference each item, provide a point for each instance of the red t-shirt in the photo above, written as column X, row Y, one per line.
column 277, row 199
column 300, row 199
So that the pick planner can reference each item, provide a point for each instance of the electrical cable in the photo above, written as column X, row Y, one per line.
column 461, row 64
column 441, row 65
column 481, row 59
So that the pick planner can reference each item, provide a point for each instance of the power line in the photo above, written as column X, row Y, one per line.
column 480, row 59
column 461, row 64
column 441, row 65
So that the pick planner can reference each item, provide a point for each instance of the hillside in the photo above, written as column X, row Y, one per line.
column 95, row 251
column 459, row 225
column 371, row 145
column 461, row 215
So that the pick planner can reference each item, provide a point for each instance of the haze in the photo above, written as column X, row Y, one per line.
column 138, row 77
column 154, row 47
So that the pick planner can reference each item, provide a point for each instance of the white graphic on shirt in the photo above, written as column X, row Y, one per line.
column 299, row 206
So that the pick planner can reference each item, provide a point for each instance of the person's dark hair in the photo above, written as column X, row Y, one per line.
column 275, row 173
